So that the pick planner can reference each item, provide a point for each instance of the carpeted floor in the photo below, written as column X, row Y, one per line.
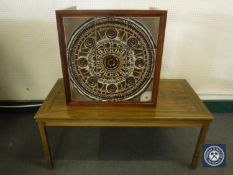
column 107, row 151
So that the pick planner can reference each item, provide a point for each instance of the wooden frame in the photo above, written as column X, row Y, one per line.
column 60, row 14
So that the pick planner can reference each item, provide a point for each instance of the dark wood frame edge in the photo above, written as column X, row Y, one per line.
column 65, row 72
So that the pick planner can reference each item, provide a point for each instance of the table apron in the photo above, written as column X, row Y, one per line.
column 125, row 123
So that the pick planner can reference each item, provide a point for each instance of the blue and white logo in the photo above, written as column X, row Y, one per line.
column 214, row 155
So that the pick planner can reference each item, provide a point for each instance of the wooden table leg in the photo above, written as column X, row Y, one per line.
column 44, row 139
column 200, row 141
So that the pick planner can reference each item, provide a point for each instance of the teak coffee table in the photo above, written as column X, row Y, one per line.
column 178, row 106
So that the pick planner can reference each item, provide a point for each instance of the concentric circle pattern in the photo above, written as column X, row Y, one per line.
column 111, row 58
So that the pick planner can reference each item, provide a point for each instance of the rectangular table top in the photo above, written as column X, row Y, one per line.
column 176, row 101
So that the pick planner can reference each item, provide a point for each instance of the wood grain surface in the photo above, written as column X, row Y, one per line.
column 176, row 102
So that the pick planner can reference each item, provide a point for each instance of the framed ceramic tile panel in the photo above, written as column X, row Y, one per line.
column 111, row 57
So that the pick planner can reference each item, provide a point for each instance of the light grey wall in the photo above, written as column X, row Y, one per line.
column 198, row 45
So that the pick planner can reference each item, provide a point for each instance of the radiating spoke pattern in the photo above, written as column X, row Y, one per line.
column 111, row 58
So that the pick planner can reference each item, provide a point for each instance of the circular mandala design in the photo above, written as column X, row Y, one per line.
column 89, row 42
column 132, row 42
column 111, row 33
column 111, row 58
